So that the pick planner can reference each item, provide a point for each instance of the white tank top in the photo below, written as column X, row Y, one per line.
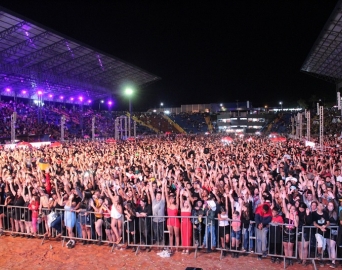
column 114, row 213
column 223, row 223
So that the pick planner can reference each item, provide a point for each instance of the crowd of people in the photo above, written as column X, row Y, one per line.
column 202, row 192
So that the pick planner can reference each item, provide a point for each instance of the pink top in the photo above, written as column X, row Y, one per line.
column 236, row 225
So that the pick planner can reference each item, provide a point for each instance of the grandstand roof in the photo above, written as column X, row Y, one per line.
column 324, row 59
column 33, row 58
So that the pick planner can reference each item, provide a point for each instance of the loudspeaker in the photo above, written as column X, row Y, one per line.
column 206, row 150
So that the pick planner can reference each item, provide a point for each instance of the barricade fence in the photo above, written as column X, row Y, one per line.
column 64, row 224
column 186, row 232
column 321, row 245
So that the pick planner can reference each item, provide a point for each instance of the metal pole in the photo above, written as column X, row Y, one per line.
column 62, row 127
column 93, row 129
column 321, row 127
column 308, row 125
column 13, row 122
column 293, row 125
column 300, row 115
column 130, row 115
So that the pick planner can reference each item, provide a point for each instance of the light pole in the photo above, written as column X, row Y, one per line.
column 265, row 108
column 129, row 93
column 100, row 104
column 161, row 106
column 281, row 105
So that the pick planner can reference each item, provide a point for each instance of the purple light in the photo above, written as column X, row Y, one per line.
column 80, row 98
column 24, row 91
column 71, row 98
column 110, row 103
column 8, row 89
column 40, row 92
column 50, row 96
column 89, row 101
column 61, row 97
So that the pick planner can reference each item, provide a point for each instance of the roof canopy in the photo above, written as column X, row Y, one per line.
column 324, row 59
column 34, row 59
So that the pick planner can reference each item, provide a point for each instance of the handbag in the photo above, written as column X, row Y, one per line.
column 51, row 218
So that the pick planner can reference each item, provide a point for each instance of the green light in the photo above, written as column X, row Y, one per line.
column 129, row 91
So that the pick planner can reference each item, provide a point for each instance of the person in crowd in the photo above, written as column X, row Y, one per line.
column 305, row 219
column 275, row 235
column 332, row 237
column 158, row 211
column 173, row 223
column 263, row 216
column 291, row 221
column 321, row 221
column 197, row 221
column 209, row 240
column 186, row 226
column 224, row 228
column 144, row 211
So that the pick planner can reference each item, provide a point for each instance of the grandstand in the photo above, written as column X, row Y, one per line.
column 38, row 63
column 324, row 59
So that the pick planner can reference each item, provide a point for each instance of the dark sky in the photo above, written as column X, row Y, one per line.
column 215, row 51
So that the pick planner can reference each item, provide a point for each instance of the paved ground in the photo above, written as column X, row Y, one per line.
column 18, row 253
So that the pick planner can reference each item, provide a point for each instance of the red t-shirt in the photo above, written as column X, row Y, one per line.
column 277, row 219
column 34, row 207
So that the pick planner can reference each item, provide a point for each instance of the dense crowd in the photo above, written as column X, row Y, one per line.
column 203, row 192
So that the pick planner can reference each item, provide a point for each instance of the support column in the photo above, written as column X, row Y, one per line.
column 93, row 129
column 62, row 127
column 321, row 128
column 13, row 122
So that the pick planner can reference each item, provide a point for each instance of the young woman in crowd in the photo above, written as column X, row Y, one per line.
column 173, row 223
column 186, row 226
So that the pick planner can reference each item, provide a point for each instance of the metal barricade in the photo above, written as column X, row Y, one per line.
column 320, row 246
column 278, row 241
column 63, row 224
column 168, row 232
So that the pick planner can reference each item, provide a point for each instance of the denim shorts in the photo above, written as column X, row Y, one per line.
column 236, row 235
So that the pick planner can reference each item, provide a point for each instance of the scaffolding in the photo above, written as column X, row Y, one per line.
column 308, row 125
column 321, row 128
column 62, row 127
column 122, row 128
column 93, row 129
column 13, row 122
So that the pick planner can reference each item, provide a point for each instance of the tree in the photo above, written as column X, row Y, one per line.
column 302, row 103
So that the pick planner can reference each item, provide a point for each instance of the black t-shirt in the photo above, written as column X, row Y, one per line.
column 147, row 209
column 321, row 219
column 19, row 201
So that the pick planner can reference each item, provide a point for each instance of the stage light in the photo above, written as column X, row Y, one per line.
column 40, row 92
column 110, row 103
column 8, row 89
column 24, row 91
column 80, row 98
column 102, row 101
column 128, row 91
column 61, row 97
column 71, row 98
column 89, row 101
column 50, row 96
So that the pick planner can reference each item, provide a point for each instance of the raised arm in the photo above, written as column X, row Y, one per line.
column 151, row 192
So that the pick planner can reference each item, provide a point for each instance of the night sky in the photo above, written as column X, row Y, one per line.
column 204, row 52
